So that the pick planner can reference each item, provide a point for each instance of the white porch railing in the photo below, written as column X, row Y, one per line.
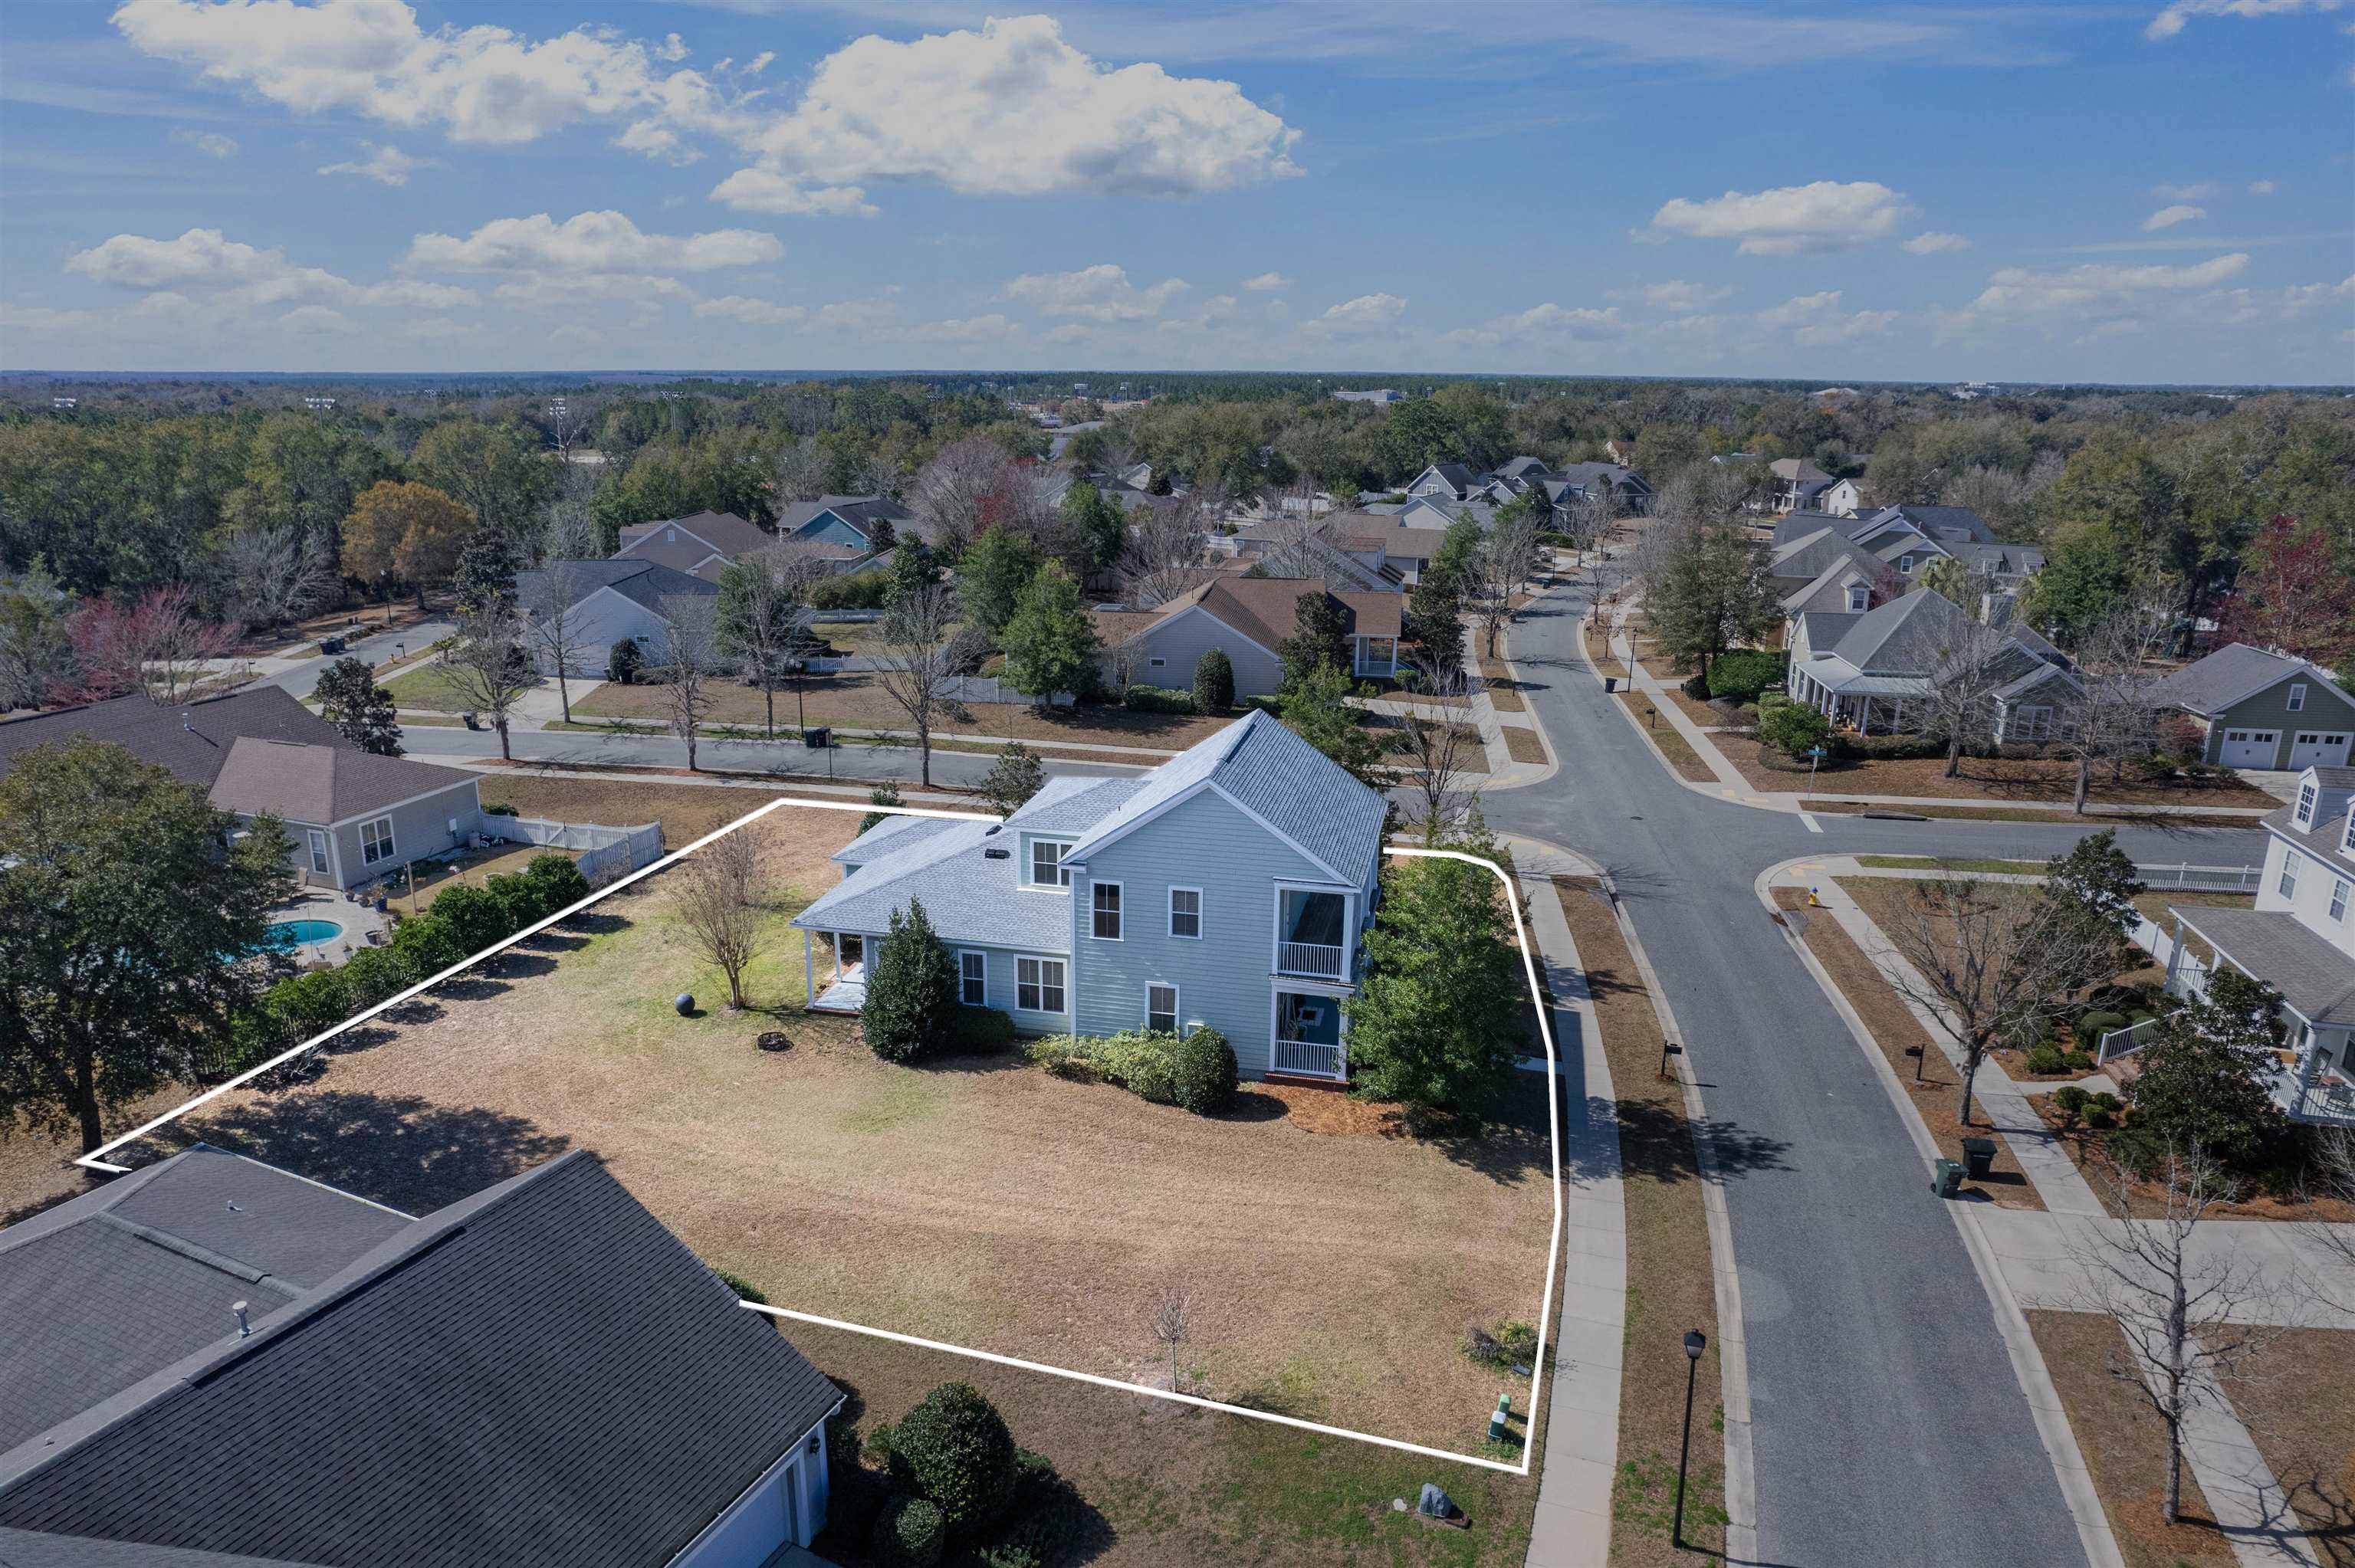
column 2216, row 878
column 2327, row 1098
column 1307, row 1056
column 1310, row 958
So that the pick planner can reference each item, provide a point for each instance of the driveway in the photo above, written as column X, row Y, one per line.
column 1888, row 1424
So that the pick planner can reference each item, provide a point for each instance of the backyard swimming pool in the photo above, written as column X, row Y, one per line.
column 284, row 934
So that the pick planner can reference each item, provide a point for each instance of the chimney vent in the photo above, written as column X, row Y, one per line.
column 243, row 1328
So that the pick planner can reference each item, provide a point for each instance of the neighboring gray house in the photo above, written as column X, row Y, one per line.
column 211, row 1360
column 1249, row 618
column 2262, row 710
column 1630, row 494
column 700, row 545
column 1227, row 888
column 354, row 816
column 1445, row 480
column 2299, row 939
column 848, row 531
column 608, row 601
column 1873, row 671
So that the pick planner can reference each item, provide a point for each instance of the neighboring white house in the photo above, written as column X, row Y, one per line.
column 604, row 602
column 1249, row 619
column 2299, row 939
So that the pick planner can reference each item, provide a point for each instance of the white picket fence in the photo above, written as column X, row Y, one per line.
column 2211, row 878
column 605, row 853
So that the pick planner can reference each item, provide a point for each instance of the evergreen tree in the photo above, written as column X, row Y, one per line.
column 913, row 565
column 992, row 574
column 1050, row 645
column 1316, row 709
column 1094, row 529
column 485, row 576
column 361, row 711
column 1214, row 683
column 884, row 794
column 1706, row 590
column 1013, row 778
column 1320, row 638
column 912, row 1007
column 2199, row 1083
column 1437, row 1024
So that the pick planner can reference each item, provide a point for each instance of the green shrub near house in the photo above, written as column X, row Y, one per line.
column 954, row 1451
column 1792, row 728
column 1157, row 700
column 850, row 590
column 1745, row 675
column 1195, row 1072
column 1214, row 683
column 911, row 1009
column 909, row 1533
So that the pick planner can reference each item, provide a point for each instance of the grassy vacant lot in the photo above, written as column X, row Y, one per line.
column 429, row 689
column 2025, row 781
column 686, row 811
column 1669, row 1284
column 857, row 701
column 1937, row 1093
column 1333, row 1272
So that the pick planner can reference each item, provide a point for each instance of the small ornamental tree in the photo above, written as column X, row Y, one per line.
column 884, row 794
column 911, row 1004
column 1214, row 683
column 954, row 1451
column 1017, row 775
column 623, row 662
column 1320, row 638
column 1792, row 728
column 361, row 711
column 1437, row 1023
column 2199, row 1089
column 1050, row 645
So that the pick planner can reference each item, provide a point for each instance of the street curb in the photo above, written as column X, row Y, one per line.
column 2068, row 1461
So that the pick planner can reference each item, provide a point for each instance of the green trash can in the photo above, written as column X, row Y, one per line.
column 1946, row 1180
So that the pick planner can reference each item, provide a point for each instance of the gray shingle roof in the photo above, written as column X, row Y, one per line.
column 31, row 1549
column 2316, row 979
column 2233, row 675
column 196, row 748
column 645, row 582
column 540, row 1376
column 322, row 784
column 1903, row 637
column 722, row 531
column 167, row 1250
column 1939, row 521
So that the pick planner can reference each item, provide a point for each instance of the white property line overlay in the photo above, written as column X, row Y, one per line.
column 94, row 1159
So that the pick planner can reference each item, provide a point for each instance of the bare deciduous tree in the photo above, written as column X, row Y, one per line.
column 278, row 574
column 719, row 888
column 568, row 521
column 1960, row 703
column 800, row 471
column 1500, row 568
column 919, row 647
column 1992, row 961
column 1445, row 756
column 2333, row 1159
column 687, row 650
column 880, row 473
column 489, row 668
column 2177, row 1308
column 2112, row 719
column 1167, row 556
column 1172, row 1325
column 554, row 630
column 950, row 490
column 765, row 617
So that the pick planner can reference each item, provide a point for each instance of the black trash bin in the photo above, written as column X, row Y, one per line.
column 1978, row 1157
column 1610, row 683
column 817, row 738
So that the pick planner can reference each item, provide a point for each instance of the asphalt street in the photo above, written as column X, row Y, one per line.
column 374, row 647
column 1888, row 1425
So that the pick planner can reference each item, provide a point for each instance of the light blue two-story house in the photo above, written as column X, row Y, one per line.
column 1227, row 888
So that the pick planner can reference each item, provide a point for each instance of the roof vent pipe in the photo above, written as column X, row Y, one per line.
column 243, row 1328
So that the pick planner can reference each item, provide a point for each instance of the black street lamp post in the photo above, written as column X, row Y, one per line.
column 1695, row 1343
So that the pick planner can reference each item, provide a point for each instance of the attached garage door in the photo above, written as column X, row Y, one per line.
column 2250, row 748
column 2311, row 749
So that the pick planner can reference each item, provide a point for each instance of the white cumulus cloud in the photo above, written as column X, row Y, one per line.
column 2168, row 216
column 1367, row 313
column 2169, row 22
column 588, row 242
column 386, row 165
column 205, row 260
column 2020, row 291
column 752, row 313
column 1817, row 318
column 764, row 190
column 1676, row 295
column 1267, row 282
column 1791, row 220
column 1932, row 242
column 212, row 143
column 1098, row 293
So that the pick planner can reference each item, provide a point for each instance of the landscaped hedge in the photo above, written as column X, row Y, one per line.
column 909, row 1533
column 1194, row 1071
column 850, row 590
column 1743, row 675
column 954, row 1451
column 1158, row 700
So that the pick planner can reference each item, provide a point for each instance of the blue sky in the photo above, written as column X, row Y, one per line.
column 2135, row 192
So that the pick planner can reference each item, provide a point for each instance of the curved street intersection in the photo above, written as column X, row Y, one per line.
column 1887, row 1422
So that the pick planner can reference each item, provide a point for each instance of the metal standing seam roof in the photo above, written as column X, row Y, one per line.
column 2316, row 980
column 539, row 1376
column 322, row 784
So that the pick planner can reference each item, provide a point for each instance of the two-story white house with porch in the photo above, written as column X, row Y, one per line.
column 1229, row 888
column 2299, row 939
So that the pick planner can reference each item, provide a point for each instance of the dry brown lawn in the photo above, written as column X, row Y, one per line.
column 1673, row 746
column 1699, row 712
column 1522, row 744
column 686, row 811
column 854, row 700
column 1671, row 1286
column 2300, row 1409
column 979, row 1200
column 2125, row 1447
column 1504, row 692
column 1993, row 779
column 1937, row 1093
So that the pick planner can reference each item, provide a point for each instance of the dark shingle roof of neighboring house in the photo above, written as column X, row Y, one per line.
column 539, row 1375
column 1996, row 560
column 645, row 582
column 1802, row 524
column 1807, row 557
column 322, row 784
column 1903, row 637
column 861, row 511
column 2315, row 977
column 1943, row 523
column 126, row 1278
column 1582, row 474
column 2233, row 675
column 33, row 1548
column 1825, row 627
column 194, row 750
column 1524, row 468
column 724, row 532
column 1795, row 468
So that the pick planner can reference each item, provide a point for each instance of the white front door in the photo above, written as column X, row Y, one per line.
column 2250, row 748
column 2311, row 749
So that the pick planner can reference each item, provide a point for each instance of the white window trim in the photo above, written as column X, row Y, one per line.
column 2289, row 883
column 1119, row 914
column 390, row 847
column 1200, row 913
column 1063, row 884
column 1176, row 1003
column 322, row 863
column 2339, row 894
column 2305, row 797
column 1039, row 985
column 963, row 954
column 2297, row 697
column 1905, row 562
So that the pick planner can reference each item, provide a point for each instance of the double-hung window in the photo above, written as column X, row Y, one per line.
column 973, row 978
column 2289, row 879
column 2298, row 696
column 1161, row 1007
column 1039, row 985
column 1047, row 865
column 318, row 852
column 375, row 841
column 1104, row 911
column 1186, row 912
column 2339, row 899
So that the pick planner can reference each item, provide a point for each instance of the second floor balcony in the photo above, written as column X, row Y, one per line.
column 1313, row 934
